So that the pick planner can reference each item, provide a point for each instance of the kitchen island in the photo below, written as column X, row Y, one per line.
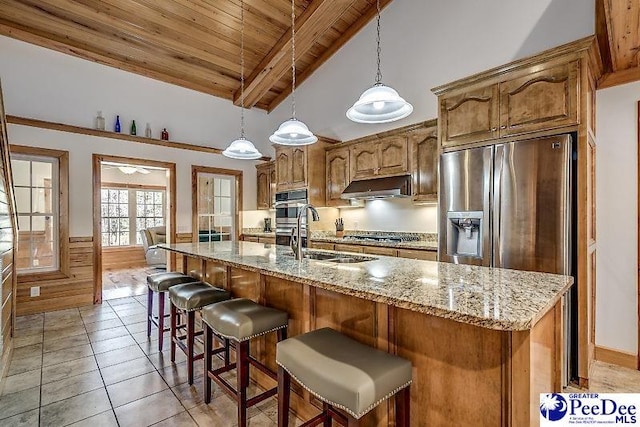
column 483, row 342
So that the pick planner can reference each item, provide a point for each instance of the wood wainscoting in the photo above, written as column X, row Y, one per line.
column 119, row 258
column 59, row 292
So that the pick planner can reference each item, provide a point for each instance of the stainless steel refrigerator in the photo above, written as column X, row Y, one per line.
column 510, row 206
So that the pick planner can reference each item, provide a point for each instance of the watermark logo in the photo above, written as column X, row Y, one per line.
column 553, row 406
column 569, row 409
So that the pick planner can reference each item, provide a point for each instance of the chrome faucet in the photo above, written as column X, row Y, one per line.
column 296, row 233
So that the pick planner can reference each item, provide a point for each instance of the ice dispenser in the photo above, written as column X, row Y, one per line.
column 464, row 233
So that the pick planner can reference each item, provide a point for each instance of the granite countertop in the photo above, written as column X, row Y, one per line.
column 487, row 297
column 418, row 244
column 259, row 233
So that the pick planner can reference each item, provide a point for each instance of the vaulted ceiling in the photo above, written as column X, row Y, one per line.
column 618, row 31
column 195, row 43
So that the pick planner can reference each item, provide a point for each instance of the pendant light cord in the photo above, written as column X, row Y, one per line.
column 293, row 59
column 378, row 50
column 242, row 70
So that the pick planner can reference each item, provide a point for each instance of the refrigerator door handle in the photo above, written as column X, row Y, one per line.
column 496, row 205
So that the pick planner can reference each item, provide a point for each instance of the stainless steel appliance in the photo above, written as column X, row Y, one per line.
column 510, row 206
column 378, row 188
column 288, row 204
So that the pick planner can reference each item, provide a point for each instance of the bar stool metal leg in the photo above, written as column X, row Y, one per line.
column 208, row 349
column 191, row 317
column 242, row 357
column 403, row 407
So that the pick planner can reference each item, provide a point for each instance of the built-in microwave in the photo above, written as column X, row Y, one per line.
column 288, row 204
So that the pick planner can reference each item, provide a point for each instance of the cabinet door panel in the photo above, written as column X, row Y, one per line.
column 263, row 187
column 541, row 100
column 337, row 175
column 364, row 160
column 393, row 156
column 424, row 149
column 470, row 117
column 283, row 168
column 298, row 167
column 273, row 184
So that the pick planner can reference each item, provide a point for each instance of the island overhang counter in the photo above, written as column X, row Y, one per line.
column 484, row 342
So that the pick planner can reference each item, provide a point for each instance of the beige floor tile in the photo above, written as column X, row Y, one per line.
column 24, row 364
column 164, row 359
column 177, row 374
column 70, row 387
column 105, row 324
column 137, row 413
column 69, row 331
column 27, row 351
column 606, row 378
column 183, row 419
column 141, row 337
column 25, row 419
column 131, row 304
column 151, row 347
column 220, row 412
column 23, row 341
column 59, row 324
column 126, row 370
column 67, row 369
column 99, row 316
column 122, row 301
column 17, row 403
column 57, row 344
column 29, row 330
column 139, row 327
column 113, row 343
column 120, row 355
column 75, row 408
column 136, row 318
column 132, row 310
column 135, row 388
column 103, row 419
column 60, row 356
column 31, row 319
column 260, row 420
column 94, row 308
column 192, row 395
column 61, row 314
column 22, row 381
column 108, row 334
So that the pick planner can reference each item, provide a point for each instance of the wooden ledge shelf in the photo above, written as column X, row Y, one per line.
column 23, row 121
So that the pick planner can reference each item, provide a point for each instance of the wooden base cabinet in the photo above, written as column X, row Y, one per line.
column 463, row 375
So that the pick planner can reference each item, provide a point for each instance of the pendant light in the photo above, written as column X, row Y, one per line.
column 293, row 131
column 242, row 148
column 379, row 103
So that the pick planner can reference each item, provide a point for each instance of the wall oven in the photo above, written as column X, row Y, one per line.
column 288, row 204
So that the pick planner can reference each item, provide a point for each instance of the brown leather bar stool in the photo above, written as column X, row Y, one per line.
column 344, row 374
column 160, row 283
column 187, row 299
column 239, row 320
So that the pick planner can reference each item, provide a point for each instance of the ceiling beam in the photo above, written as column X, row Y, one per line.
column 619, row 78
column 335, row 46
column 604, row 33
column 319, row 16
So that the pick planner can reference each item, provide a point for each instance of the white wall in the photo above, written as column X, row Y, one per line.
column 430, row 43
column 48, row 85
column 617, row 218
column 392, row 215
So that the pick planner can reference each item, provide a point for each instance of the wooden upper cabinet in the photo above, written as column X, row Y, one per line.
column 393, row 156
column 364, row 160
column 541, row 100
column 424, row 152
column 283, row 168
column 388, row 156
column 470, row 116
column 273, row 183
column 337, row 175
column 298, row 167
column 264, row 194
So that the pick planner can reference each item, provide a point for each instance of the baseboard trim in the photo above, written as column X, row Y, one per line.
column 616, row 357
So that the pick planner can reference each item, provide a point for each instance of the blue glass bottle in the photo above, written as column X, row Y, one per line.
column 117, row 129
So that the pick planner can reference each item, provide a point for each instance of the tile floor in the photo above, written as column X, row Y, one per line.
column 94, row 366
column 129, row 282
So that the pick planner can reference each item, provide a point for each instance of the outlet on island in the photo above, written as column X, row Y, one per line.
column 35, row 291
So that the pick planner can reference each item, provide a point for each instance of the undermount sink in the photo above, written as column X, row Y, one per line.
column 338, row 258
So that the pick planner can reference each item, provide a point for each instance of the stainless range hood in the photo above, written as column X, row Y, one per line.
column 379, row 188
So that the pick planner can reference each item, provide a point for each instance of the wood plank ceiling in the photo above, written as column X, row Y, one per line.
column 618, row 32
column 194, row 43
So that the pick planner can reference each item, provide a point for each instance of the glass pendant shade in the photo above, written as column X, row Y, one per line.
column 242, row 149
column 293, row 132
column 379, row 104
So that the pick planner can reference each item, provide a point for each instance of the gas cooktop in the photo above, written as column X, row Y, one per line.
column 381, row 238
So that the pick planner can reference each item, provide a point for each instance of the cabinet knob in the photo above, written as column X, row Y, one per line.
column 503, row 127
column 494, row 129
